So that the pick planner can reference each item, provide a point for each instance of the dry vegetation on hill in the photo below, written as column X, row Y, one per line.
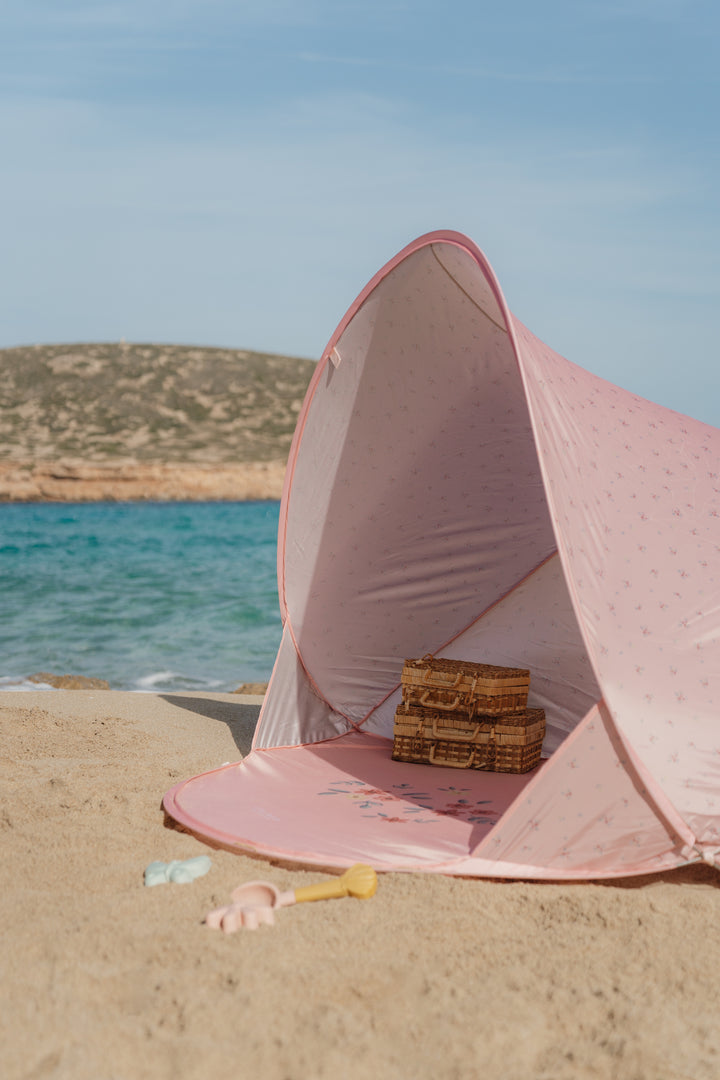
column 145, row 421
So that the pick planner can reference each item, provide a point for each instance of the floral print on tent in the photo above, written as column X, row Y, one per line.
column 395, row 806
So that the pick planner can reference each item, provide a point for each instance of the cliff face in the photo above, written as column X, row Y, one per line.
column 121, row 421
column 63, row 481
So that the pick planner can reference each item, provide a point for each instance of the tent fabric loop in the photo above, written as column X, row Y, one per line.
column 711, row 856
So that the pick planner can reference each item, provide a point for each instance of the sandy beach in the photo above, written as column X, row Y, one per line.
column 106, row 979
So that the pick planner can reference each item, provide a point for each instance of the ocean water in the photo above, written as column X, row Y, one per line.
column 150, row 596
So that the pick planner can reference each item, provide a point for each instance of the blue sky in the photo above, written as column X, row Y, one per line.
column 221, row 172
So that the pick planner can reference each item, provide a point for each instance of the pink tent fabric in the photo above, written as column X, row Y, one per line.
column 456, row 487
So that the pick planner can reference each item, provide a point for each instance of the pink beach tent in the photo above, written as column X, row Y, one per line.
column 456, row 487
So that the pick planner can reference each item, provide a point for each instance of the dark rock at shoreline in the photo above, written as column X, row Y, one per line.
column 68, row 682
column 257, row 689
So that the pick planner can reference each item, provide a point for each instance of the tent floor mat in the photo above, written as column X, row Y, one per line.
column 345, row 801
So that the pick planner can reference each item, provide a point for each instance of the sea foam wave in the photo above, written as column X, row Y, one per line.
column 14, row 682
column 172, row 681
column 149, row 597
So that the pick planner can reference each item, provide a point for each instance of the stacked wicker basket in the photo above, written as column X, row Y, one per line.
column 467, row 716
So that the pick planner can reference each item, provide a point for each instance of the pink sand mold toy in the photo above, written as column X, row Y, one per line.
column 254, row 902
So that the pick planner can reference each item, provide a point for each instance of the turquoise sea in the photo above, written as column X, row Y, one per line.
column 150, row 596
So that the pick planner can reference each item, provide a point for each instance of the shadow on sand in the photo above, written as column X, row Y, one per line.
column 240, row 716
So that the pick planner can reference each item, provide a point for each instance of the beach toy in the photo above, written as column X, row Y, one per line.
column 179, row 871
column 232, row 917
column 253, row 903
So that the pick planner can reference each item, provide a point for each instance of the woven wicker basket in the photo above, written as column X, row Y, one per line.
column 434, row 682
column 511, row 743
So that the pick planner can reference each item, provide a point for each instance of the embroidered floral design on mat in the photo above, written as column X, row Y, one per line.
column 392, row 806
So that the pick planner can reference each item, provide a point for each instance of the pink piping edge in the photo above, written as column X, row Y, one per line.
column 672, row 820
column 457, row 865
column 447, row 236
column 483, row 613
column 463, row 242
column 663, row 804
column 456, row 239
column 315, row 686
column 254, row 748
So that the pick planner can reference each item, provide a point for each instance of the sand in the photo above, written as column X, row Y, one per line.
column 105, row 979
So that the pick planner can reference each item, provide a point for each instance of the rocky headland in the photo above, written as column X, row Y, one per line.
column 92, row 422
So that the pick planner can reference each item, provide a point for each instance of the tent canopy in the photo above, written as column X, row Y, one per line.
column 456, row 487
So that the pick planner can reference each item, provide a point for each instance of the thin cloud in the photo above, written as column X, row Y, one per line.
column 164, row 14
column 561, row 77
column 246, row 196
column 659, row 11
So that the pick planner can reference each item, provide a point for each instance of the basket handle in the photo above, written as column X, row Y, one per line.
column 452, row 764
column 426, row 698
column 440, row 684
column 452, row 735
